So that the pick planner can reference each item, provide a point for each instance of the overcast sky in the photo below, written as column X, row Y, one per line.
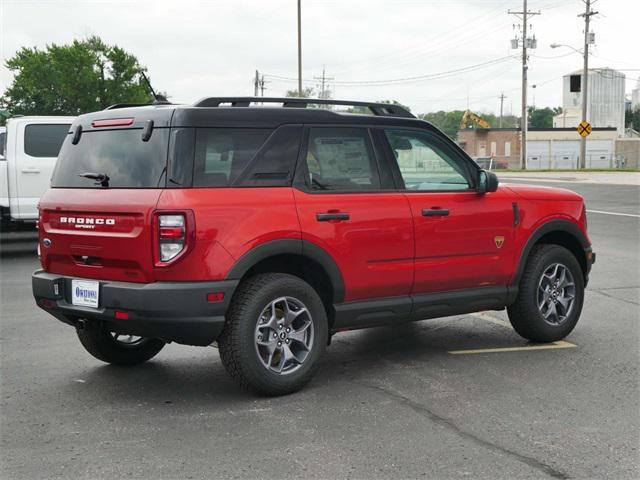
column 197, row 48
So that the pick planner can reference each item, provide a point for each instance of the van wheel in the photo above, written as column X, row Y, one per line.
column 275, row 334
column 550, row 295
column 118, row 349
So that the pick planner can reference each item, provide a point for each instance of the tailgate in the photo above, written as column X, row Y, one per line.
column 103, row 234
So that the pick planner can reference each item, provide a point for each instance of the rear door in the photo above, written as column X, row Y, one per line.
column 463, row 240
column 347, row 206
column 104, row 230
column 37, row 146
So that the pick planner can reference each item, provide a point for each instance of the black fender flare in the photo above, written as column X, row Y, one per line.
column 548, row 227
column 291, row 246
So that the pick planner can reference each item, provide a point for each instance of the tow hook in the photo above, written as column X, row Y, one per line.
column 80, row 324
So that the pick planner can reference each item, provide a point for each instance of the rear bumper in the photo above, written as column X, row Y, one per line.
column 172, row 311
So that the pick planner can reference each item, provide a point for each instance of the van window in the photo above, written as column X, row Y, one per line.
column 120, row 154
column 3, row 153
column 222, row 154
column 41, row 140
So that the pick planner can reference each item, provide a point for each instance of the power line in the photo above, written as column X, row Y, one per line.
column 418, row 78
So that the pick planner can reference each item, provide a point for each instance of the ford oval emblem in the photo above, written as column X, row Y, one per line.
column 46, row 242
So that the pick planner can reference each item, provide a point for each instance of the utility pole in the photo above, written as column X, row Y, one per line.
column 256, row 84
column 299, row 49
column 501, row 97
column 526, row 42
column 261, row 83
column 585, row 79
column 323, row 81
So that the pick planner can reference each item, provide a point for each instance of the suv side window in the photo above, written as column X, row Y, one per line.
column 221, row 154
column 427, row 163
column 275, row 163
column 341, row 158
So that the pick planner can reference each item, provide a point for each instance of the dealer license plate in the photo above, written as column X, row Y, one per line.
column 85, row 293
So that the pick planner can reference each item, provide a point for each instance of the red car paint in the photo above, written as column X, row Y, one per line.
column 387, row 248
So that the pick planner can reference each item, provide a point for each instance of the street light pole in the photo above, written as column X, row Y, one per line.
column 299, row 50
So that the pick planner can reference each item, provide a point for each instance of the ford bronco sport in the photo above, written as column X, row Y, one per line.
column 269, row 229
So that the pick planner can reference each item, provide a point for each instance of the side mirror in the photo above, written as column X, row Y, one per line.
column 487, row 182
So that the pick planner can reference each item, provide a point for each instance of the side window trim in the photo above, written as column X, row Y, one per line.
column 464, row 162
column 301, row 173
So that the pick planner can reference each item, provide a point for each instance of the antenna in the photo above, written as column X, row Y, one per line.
column 158, row 98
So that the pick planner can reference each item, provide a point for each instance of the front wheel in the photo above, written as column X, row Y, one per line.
column 550, row 295
column 118, row 349
column 275, row 333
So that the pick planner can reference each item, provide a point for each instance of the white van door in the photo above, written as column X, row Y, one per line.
column 37, row 146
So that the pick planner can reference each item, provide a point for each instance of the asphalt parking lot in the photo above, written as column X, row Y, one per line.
column 401, row 402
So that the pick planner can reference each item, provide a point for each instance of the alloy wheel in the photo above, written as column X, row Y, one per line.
column 284, row 335
column 556, row 294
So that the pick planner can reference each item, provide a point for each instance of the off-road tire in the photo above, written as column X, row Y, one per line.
column 237, row 341
column 99, row 342
column 524, row 314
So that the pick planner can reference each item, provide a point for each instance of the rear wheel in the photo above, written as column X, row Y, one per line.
column 550, row 295
column 275, row 334
column 115, row 348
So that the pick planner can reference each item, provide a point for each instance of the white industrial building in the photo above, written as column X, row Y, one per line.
column 605, row 100
column 560, row 148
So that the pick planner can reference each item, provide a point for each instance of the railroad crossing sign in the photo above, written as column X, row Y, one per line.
column 584, row 128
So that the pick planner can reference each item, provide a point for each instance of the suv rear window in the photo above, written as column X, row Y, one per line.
column 44, row 140
column 221, row 154
column 120, row 154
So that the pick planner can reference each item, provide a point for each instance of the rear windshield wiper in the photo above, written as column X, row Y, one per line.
column 101, row 179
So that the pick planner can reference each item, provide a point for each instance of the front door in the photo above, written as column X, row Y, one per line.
column 348, row 207
column 463, row 239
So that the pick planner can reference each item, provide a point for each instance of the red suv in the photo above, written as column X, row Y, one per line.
column 269, row 229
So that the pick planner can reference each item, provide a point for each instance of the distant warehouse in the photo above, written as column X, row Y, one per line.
column 546, row 147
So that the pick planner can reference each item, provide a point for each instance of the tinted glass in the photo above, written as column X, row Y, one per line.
column 341, row 159
column 120, row 154
column 44, row 140
column 426, row 162
column 3, row 136
column 275, row 163
column 221, row 154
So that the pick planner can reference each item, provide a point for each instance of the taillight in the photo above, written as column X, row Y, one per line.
column 174, row 232
column 171, row 236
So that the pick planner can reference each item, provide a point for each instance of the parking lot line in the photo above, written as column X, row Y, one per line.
column 548, row 346
column 614, row 213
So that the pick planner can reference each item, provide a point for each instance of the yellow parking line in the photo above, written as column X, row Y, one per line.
column 548, row 346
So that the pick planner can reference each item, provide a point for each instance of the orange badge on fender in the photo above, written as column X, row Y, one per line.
column 499, row 241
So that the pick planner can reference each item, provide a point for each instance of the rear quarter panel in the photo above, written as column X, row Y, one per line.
column 229, row 223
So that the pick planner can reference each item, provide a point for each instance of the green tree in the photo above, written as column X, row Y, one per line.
column 448, row 122
column 632, row 118
column 307, row 92
column 542, row 117
column 85, row 76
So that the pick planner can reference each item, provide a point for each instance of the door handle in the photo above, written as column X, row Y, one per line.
column 30, row 170
column 435, row 212
column 325, row 217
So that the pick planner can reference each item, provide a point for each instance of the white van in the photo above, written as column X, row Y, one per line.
column 27, row 159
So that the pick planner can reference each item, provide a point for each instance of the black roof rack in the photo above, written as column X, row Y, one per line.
column 380, row 109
